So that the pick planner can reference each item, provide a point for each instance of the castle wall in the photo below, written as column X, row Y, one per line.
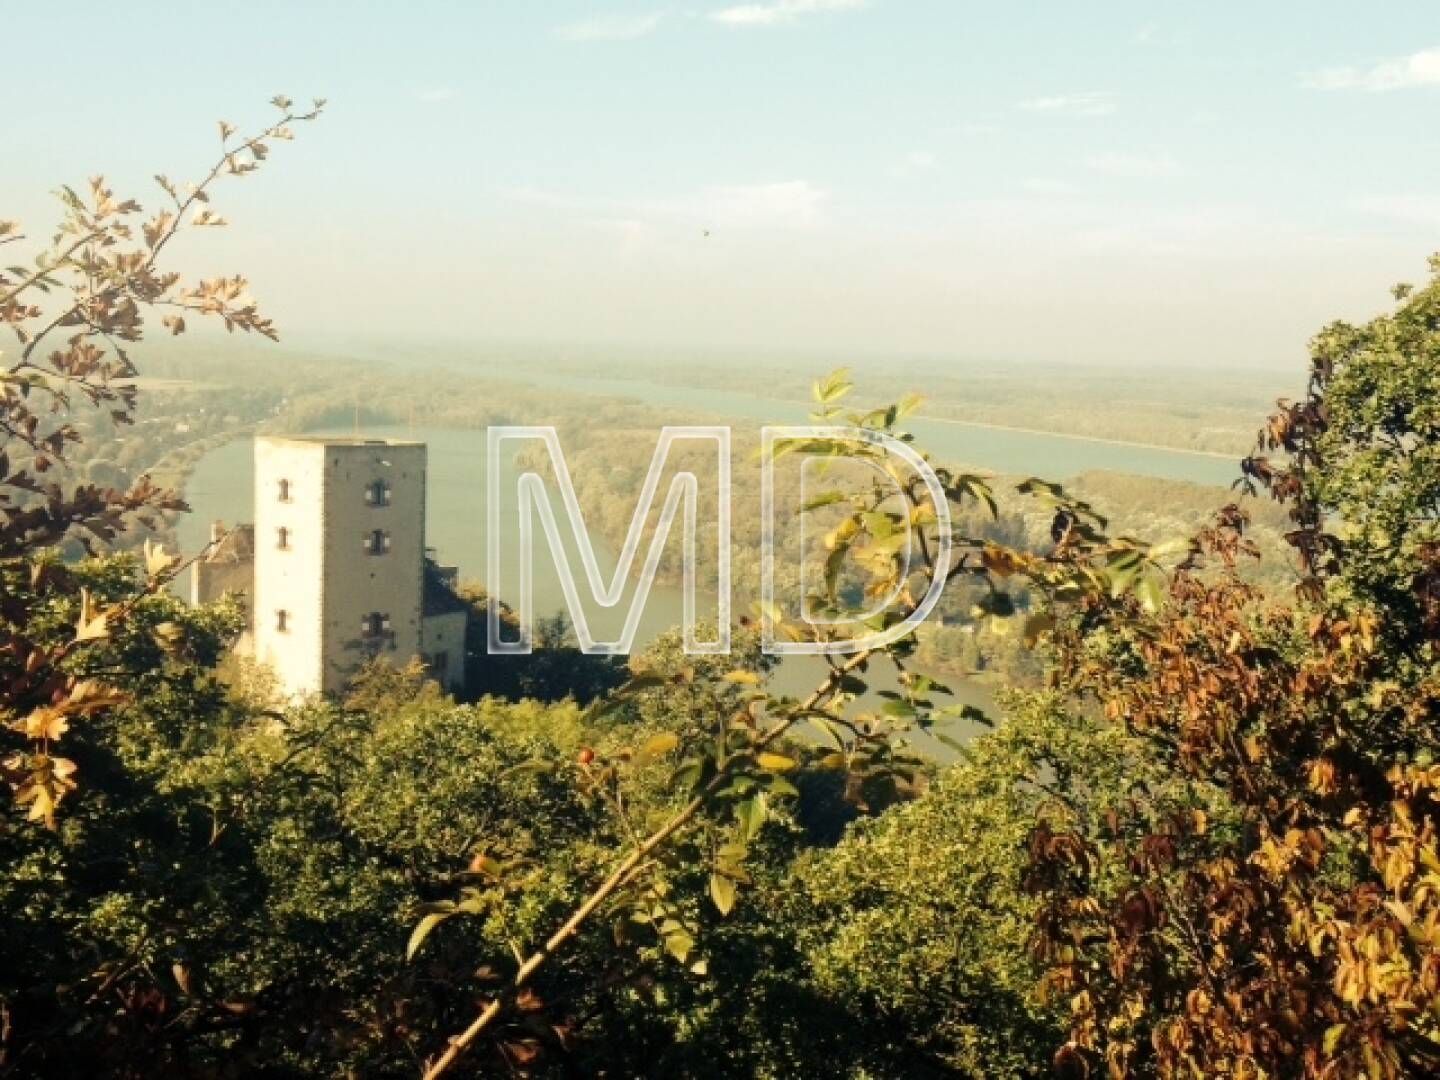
column 359, row 584
column 290, row 580
column 209, row 581
column 443, row 642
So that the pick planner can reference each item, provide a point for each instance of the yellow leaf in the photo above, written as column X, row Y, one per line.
column 42, row 804
column 157, row 559
column 776, row 762
column 46, row 787
column 46, row 723
column 422, row 931
column 88, row 696
column 660, row 745
column 722, row 891
column 93, row 624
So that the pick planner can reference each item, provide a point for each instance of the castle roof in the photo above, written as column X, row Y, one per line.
column 235, row 545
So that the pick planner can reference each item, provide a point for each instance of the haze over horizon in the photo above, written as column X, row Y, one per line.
column 1138, row 184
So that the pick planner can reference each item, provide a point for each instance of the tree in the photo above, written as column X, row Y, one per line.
column 231, row 889
column 556, row 669
column 918, row 918
column 1269, row 905
column 735, row 744
column 93, row 288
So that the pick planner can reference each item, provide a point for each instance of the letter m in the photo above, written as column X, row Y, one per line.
column 534, row 501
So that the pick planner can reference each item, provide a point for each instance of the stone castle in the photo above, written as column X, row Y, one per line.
column 334, row 568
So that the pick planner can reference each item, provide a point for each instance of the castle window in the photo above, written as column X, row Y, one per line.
column 284, row 492
column 282, row 538
column 377, row 493
column 376, row 542
column 375, row 624
column 440, row 662
column 282, row 621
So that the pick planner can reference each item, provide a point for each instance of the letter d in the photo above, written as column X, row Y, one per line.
column 888, row 445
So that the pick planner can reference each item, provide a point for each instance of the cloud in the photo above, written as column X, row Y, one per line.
column 786, row 204
column 918, row 161
column 1399, row 73
column 1411, row 209
column 628, row 236
column 535, row 196
column 780, row 205
column 1134, row 166
column 1044, row 185
column 974, row 127
column 435, row 95
column 780, row 12
column 611, row 28
column 1085, row 103
column 1154, row 36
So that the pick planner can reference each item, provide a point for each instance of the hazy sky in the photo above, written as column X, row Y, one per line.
column 1136, row 182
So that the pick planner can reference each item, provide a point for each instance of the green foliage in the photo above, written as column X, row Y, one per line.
column 249, row 880
column 919, row 915
column 1369, row 460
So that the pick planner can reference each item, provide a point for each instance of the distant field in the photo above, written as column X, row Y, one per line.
column 1209, row 410
column 1053, row 420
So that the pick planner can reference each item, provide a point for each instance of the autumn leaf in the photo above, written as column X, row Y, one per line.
column 93, row 624
column 722, row 892
column 157, row 559
column 46, row 723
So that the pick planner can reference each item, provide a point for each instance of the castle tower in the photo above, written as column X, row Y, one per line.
column 339, row 556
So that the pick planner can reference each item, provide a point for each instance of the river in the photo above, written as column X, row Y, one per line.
column 222, row 483
column 1006, row 450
